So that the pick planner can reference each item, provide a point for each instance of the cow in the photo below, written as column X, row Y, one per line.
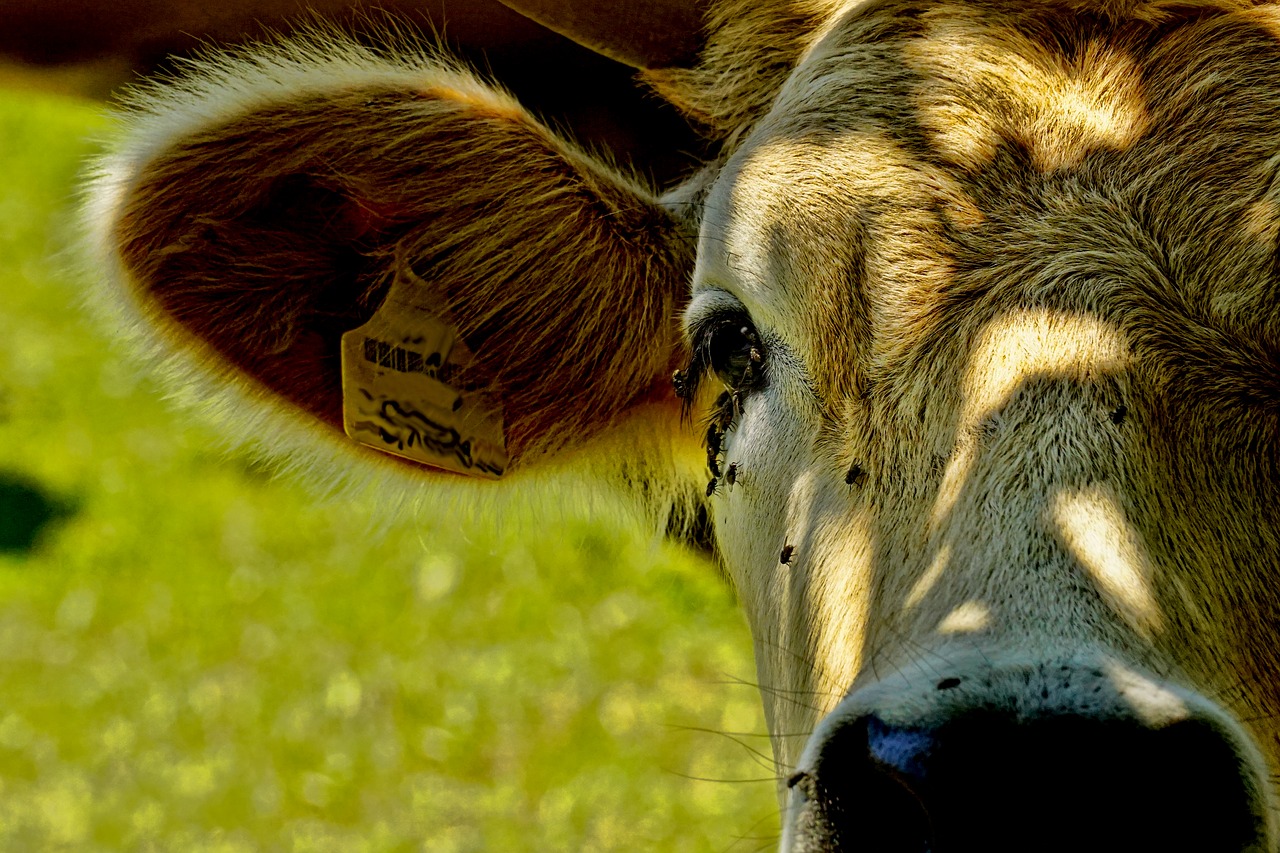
column 960, row 353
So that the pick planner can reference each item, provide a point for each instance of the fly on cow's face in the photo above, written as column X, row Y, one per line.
column 714, row 435
column 722, row 415
column 680, row 383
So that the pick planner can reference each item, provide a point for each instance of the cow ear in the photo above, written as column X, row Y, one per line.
column 267, row 205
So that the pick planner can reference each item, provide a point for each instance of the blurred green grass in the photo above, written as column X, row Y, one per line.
column 195, row 657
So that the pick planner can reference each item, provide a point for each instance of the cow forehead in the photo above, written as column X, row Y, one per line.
column 929, row 171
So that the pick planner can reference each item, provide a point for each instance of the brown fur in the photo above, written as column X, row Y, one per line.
column 935, row 174
column 1013, row 263
column 269, row 236
column 750, row 50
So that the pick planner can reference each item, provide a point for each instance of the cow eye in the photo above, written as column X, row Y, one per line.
column 728, row 345
column 733, row 351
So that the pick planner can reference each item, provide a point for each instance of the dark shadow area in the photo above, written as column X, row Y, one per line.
column 596, row 98
column 26, row 512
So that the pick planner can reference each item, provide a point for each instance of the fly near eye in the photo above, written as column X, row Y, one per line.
column 734, row 353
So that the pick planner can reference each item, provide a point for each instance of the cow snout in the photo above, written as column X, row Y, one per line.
column 994, row 777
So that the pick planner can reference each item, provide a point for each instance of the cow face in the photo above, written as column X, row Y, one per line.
column 1009, row 456
column 980, row 350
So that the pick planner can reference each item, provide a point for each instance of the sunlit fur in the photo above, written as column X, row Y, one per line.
column 1022, row 269
column 348, row 162
column 1015, row 262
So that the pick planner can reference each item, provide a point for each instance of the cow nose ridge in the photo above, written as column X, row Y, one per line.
column 986, row 780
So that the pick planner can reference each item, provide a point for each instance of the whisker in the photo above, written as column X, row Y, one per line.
column 683, row 727
column 810, row 663
column 766, row 761
column 772, row 779
column 742, row 682
column 769, row 840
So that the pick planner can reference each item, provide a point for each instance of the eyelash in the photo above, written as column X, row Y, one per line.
column 738, row 362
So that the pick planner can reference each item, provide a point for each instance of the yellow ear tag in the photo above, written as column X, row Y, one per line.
column 400, row 392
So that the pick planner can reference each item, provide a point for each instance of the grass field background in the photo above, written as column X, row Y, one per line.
column 194, row 656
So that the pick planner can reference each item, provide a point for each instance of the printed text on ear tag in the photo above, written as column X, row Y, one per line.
column 400, row 389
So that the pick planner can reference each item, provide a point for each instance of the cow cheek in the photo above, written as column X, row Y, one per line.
column 806, row 607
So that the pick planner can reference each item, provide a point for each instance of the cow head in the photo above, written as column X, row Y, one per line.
column 976, row 341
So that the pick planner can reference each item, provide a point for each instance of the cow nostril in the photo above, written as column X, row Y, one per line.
column 861, row 803
column 987, row 781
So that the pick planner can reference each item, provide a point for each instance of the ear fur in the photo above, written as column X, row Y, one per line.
column 260, row 206
column 751, row 48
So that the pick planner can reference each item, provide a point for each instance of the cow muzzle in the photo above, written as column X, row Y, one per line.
column 1062, row 757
